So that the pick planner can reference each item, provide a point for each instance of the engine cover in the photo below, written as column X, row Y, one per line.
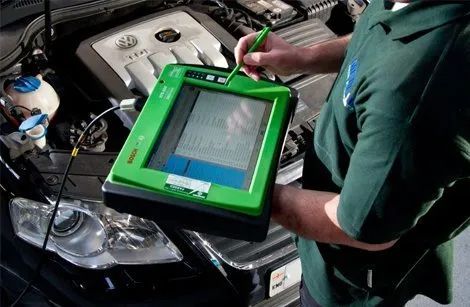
column 139, row 53
column 133, row 55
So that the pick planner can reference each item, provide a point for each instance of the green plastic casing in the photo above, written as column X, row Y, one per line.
column 130, row 169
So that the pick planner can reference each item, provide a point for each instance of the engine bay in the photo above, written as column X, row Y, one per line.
column 97, row 61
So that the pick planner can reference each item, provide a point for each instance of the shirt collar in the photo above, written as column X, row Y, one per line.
column 418, row 17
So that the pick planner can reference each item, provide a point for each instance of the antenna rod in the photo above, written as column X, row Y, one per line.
column 47, row 27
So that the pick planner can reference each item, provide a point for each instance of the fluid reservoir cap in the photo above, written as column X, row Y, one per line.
column 168, row 35
column 32, row 122
column 26, row 84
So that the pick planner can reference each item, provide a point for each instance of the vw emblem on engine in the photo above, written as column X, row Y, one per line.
column 126, row 41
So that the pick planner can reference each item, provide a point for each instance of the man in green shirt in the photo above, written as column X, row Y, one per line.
column 386, row 185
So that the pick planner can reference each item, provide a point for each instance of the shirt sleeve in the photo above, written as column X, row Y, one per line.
column 367, row 209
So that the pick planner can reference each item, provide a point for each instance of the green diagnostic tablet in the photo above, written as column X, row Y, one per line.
column 203, row 155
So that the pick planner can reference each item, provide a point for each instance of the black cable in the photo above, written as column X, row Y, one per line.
column 7, row 103
column 2, row 87
column 56, row 205
column 22, row 107
column 233, row 16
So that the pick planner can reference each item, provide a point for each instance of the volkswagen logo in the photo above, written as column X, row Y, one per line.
column 126, row 41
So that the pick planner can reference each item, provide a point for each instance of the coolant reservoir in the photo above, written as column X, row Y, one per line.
column 34, row 92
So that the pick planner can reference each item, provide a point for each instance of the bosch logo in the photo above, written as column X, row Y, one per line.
column 131, row 157
column 126, row 41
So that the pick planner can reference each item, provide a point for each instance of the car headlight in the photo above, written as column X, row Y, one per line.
column 92, row 235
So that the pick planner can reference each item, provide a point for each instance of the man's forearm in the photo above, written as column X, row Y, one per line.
column 325, row 57
column 312, row 215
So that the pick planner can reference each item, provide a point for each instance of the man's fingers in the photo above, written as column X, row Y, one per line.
column 258, row 58
column 251, row 72
column 240, row 52
column 243, row 45
column 249, row 69
column 255, row 75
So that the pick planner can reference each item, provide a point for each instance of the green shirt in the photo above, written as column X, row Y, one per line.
column 395, row 137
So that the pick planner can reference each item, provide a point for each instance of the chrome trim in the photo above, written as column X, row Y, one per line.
column 200, row 243
column 290, row 173
column 249, row 265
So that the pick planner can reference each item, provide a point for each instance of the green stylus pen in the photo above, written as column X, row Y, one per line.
column 258, row 41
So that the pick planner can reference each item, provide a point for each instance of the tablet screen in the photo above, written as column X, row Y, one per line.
column 212, row 136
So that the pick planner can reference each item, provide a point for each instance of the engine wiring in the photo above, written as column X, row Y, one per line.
column 174, row 3
column 22, row 107
column 233, row 18
column 73, row 154
column 8, row 105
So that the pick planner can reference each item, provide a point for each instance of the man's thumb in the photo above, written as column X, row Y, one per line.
column 256, row 58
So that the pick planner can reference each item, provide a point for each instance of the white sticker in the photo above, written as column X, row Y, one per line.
column 187, row 186
column 285, row 277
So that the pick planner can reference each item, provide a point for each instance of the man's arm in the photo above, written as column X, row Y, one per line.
column 283, row 59
column 312, row 215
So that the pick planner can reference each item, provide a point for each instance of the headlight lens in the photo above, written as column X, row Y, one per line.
column 92, row 235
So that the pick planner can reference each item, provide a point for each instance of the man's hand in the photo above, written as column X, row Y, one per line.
column 281, row 58
column 275, row 54
column 312, row 215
